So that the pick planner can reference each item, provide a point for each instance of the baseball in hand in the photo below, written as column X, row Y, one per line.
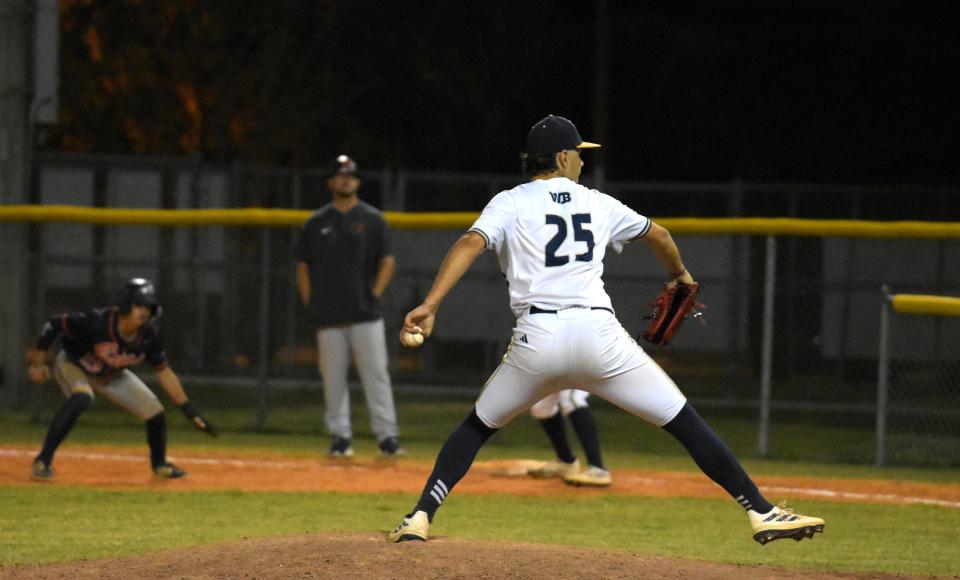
column 412, row 340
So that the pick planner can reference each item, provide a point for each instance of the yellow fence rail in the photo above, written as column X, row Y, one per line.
column 925, row 304
column 463, row 220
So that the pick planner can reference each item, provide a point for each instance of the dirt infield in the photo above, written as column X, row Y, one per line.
column 112, row 468
column 367, row 555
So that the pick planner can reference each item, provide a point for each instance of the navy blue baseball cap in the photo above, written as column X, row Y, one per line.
column 553, row 134
column 344, row 164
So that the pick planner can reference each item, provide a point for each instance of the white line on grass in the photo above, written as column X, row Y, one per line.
column 829, row 493
column 851, row 495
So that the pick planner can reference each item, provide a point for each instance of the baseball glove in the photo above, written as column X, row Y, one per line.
column 671, row 307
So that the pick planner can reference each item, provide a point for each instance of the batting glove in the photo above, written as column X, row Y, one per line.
column 193, row 414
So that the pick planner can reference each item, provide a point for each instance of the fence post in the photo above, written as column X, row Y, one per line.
column 883, row 378
column 263, row 363
column 14, row 314
column 769, row 286
column 293, row 297
column 233, row 270
column 734, row 289
column 37, row 312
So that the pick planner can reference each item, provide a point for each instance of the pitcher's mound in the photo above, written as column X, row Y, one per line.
column 369, row 555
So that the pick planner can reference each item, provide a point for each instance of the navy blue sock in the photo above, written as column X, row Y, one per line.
column 586, row 428
column 62, row 423
column 157, row 439
column 454, row 460
column 554, row 428
column 715, row 459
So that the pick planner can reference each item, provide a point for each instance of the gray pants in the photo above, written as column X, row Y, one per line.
column 367, row 342
column 126, row 390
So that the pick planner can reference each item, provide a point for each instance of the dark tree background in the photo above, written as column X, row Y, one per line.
column 815, row 91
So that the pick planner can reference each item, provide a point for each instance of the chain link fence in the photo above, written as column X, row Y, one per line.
column 232, row 316
column 918, row 419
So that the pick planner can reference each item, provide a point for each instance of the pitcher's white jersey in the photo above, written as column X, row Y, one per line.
column 550, row 236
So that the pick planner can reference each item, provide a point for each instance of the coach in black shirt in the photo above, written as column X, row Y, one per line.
column 344, row 265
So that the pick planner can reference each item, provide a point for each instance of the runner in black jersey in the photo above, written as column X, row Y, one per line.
column 98, row 348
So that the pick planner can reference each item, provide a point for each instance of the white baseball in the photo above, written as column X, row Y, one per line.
column 412, row 340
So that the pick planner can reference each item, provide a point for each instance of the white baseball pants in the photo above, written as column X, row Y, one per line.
column 566, row 401
column 583, row 349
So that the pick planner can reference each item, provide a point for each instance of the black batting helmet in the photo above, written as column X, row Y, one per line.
column 141, row 292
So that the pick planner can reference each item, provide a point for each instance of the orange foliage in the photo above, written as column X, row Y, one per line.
column 240, row 128
column 190, row 139
column 135, row 134
column 74, row 143
column 92, row 38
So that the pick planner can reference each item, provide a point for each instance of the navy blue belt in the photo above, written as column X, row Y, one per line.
column 535, row 310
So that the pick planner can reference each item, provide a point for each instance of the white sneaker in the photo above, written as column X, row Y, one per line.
column 413, row 527
column 592, row 476
column 781, row 522
column 554, row 468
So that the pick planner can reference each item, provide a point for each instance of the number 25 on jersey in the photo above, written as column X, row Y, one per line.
column 580, row 234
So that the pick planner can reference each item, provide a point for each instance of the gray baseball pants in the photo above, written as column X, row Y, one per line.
column 367, row 342
column 126, row 390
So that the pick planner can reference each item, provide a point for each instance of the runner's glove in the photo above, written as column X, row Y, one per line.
column 192, row 413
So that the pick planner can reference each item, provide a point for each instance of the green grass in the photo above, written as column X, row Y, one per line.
column 48, row 524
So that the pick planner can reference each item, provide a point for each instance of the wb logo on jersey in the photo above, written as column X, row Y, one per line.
column 561, row 197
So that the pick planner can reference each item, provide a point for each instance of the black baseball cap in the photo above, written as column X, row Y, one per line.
column 344, row 164
column 553, row 134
